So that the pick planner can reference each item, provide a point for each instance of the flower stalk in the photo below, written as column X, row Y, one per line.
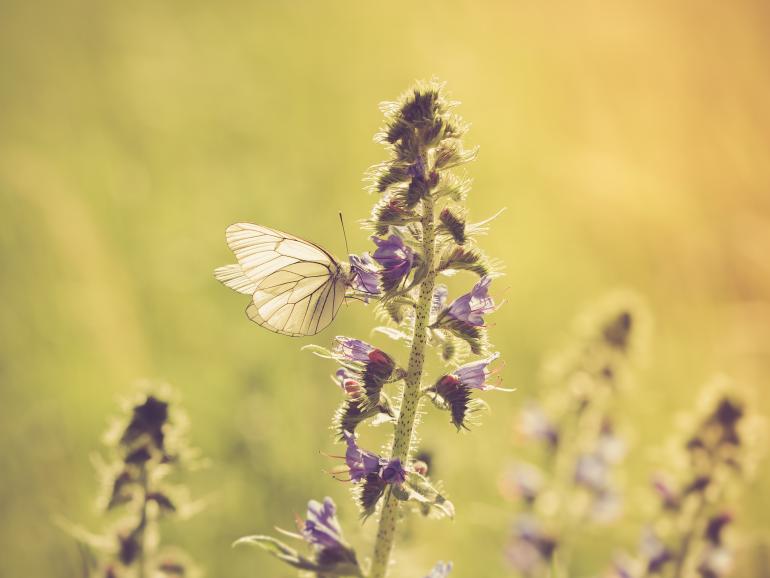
column 412, row 246
column 402, row 439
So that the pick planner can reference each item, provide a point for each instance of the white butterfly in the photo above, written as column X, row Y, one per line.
column 297, row 287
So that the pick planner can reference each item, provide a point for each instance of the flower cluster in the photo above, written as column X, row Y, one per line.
column 571, row 478
column 689, row 536
column 147, row 445
column 420, row 231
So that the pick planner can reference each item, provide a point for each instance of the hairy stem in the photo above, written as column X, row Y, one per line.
column 402, row 440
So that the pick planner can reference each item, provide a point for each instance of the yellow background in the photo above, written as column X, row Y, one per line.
column 628, row 140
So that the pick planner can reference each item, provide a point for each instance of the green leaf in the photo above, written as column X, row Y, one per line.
column 278, row 549
column 429, row 500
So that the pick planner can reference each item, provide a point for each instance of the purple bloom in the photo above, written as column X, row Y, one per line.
column 523, row 480
column 321, row 529
column 474, row 375
column 396, row 259
column 471, row 307
column 364, row 274
column 360, row 462
column 352, row 349
column 393, row 472
column 592, row 472
column 537, row 425
column 440, row 570
column 370, row 367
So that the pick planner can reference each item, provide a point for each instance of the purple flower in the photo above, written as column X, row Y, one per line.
column 364, row 274
column 365, row 364
column 321, row 528
column 471, row 307
column 592, row 472
column 522, row 480
column 440, row 570
column 474, row 375
column 352, row 349
column 393, row 472
column 360, row 462
column 537, row 425
column 530, row 547
column 396, row 260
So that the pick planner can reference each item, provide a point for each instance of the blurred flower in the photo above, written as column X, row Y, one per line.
column 536, row 425
column 396, row 259
column 668, row 495
column 715, row 526
column 715, row 562
column 440, row 570
column 592, row 472
column 654, row 551
column 530, row 548
column 522, row 480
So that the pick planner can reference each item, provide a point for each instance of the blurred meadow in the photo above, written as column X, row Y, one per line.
column 629, row 142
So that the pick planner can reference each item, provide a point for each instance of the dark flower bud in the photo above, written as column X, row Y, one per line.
column 698, row 485
column 617, row 332
column 128, row 548
column 465, row 259
column 713, row 532
column 147, row 419
column 350, row 414
column 453, row 225
column 369, row 493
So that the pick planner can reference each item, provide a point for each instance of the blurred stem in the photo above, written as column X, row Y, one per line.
column 142, row 527
column 402, row 439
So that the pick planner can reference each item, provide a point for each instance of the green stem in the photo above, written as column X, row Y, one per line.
column 402, row 439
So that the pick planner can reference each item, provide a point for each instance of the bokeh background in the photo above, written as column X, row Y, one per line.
column 629, row 142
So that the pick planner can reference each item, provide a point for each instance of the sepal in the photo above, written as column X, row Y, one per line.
column 429, row 500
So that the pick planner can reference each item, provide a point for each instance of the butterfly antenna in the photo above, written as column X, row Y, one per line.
column 344, row 234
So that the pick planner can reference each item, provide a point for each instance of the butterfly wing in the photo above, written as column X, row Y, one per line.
column 296, row 287
column 300, row 299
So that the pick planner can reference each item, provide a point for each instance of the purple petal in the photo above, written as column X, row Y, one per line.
column 360, row 462
column 364, row 271
column 474, row 374
column 471, row 307
column 352, row 349
column 321, row 528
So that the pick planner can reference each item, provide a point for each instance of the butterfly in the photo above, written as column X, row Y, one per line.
column 296, row 287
